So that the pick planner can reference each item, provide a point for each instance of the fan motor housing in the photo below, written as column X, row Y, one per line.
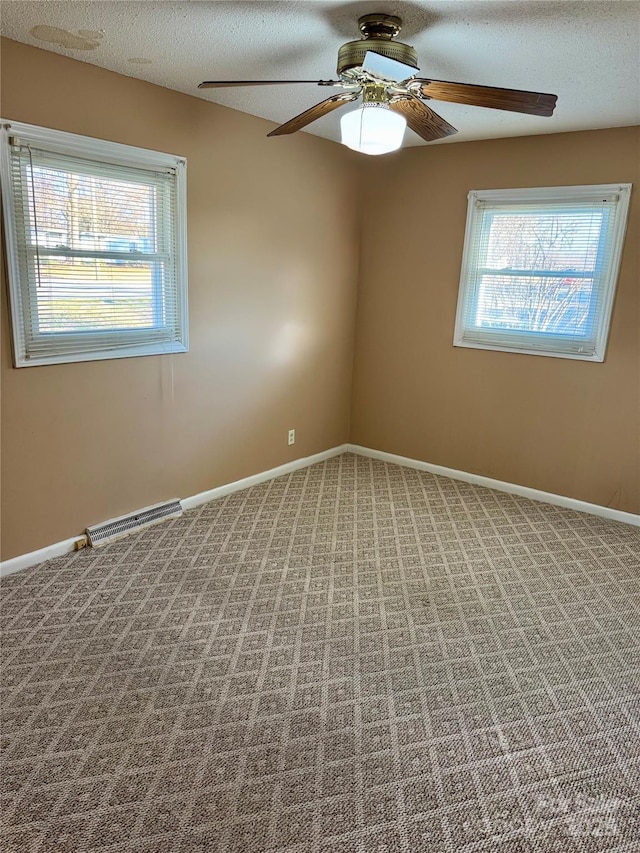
column 378, row 33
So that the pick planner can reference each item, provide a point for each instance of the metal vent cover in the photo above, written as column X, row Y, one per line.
column 116, row 528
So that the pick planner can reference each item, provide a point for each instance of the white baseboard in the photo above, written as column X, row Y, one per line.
column 255, row 479
column 500, row 485
column 58, row 549
column 23, row 561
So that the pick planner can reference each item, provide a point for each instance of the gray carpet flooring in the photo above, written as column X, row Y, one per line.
column 355, row 658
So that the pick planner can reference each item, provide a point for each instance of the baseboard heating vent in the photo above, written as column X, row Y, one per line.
column 116, row 528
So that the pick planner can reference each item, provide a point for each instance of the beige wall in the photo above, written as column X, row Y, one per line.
column 274, row 237
column 273, row 251
column 553, row 424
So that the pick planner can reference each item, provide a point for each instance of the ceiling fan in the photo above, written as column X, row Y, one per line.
column 384, row 72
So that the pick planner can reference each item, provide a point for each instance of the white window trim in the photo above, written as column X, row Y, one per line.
column 99, row 150
column 547, row 194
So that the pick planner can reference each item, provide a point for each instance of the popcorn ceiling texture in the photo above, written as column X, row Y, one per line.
column 538, row 46
column 356, row 657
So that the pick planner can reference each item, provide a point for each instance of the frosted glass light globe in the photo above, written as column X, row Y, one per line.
column 372, row 129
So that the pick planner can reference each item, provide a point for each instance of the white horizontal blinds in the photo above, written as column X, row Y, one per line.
column 96, row 250
column 538, row 273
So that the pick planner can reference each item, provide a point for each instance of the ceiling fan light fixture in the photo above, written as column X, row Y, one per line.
column 372, row 129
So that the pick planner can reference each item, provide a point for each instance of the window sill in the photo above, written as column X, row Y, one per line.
column 129, row 352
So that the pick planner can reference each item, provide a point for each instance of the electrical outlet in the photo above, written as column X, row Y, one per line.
column 292, row 437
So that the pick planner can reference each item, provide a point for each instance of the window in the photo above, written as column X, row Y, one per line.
column 96, row 247
column 539, row 269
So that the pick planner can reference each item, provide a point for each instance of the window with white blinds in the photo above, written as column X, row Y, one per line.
column 539, row 269
column 96, row 247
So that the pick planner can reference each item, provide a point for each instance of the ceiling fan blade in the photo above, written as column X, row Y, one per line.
column 223, row 84
column 515, row 100
column 314, row 113
column 422, row 119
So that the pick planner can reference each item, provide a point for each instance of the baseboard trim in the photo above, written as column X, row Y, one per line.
column 66, row 546
column 23, row 561
column 59, row 549
column 500, row 485
column 262, row 477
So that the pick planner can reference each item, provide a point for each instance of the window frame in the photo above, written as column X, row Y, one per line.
column 544, row 195
column 100, row 151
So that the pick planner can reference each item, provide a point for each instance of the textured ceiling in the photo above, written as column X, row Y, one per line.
column 585, row 52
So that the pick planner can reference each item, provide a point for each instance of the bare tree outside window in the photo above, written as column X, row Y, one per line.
column 89, row 213
column 538, row 271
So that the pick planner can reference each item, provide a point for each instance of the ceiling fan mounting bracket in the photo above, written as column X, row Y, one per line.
column 380, row 26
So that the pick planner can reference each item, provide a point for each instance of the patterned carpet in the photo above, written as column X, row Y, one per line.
column 355, row 658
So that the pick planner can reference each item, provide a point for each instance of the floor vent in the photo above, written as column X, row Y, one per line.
column 101, row 534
